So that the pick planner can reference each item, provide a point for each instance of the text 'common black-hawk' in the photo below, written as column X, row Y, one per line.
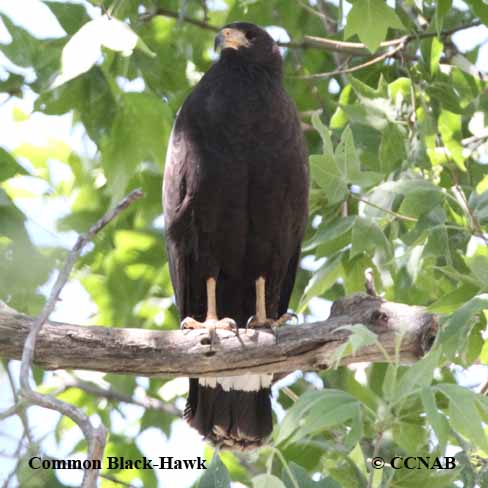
column 235, row 205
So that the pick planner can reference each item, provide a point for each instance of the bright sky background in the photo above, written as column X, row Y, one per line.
column 76, row 305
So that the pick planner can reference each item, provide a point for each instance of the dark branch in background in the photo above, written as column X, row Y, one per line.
column 175, row 15
column 95, row 436
column 188, row 353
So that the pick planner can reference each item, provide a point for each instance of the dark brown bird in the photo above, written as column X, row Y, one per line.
column 235, row 205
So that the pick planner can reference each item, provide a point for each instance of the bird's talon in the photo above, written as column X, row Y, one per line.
column 294, row 316
column 251, row 319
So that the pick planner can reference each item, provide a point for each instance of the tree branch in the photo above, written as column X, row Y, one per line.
column 351, row 69
column 326, row 44
column 69, row 381
column 188, row 353
column 175, row 15
column 95, row 436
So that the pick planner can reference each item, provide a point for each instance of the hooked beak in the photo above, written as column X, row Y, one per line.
column 230, row 38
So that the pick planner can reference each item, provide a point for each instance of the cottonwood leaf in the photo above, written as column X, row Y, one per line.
column 316, row 411
column 216, row 475
column 321, row 280
column 370, row 20
column 84, row 48
column 418, row 375
column 437, row 420
column 464, row 414
column 456, row 331
column 267, row 481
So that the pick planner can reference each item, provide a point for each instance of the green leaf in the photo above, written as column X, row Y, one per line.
column 346, row 156
column 140, row 126
column 303, row 479
column 324, row 134
column 326, row 173
column 431, row 50
column 478, row 264
column 91, row 96
column 441, row 10
column 392, row 148
column 452, row 301
column 9, row 166
column 480, row 8
column 450, row 129
column 366, row 235
column 216, row 475
column 437, row 420
column 360, row 337
column 417, row 375
column 321, row 280
column 370, row 20
column 267, row 481
column 464, row 414
column 71, row 16
column 446, row 95
column 329, row 231
column 456, row 330
column 316, row 411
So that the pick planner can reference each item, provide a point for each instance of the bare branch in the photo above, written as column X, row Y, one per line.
column 397, row 215
column 115, row 480
column 175, row 15
column 334, row 45
column 95, row 436
column 360, row 49
column 21, row 408
column 187, row 353
column 68, row 381
column 351, row 69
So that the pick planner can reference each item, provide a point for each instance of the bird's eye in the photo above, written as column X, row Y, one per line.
column 250, row 35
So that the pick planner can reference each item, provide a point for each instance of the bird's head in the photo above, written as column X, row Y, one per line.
column 249, row 42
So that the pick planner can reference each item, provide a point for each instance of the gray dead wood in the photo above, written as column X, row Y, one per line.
column 173, row 353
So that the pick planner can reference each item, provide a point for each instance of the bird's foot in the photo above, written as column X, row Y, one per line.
column 211, row 325
column 272, row 324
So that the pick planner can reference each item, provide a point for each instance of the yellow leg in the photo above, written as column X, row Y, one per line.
column 261, row 319
column 211, row 320
column 211, row 300
column 260, row 300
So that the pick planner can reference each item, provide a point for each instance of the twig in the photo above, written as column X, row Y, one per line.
column 474, row 224
column 290, row 393
column 376, row 450
column 311, row 10
column 355, row 48
column 13, row 410
column 21, row 410
column 335, row 45
column 95, row 436
column 369, row 283
column 110, row 394
column 386, row 210
column 113, row 479
column 19, row 458
column 377, row 59
column 205, row 10
column 175, row 15
column 359, row 48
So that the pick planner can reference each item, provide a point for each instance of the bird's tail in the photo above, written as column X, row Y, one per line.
column 233, row 412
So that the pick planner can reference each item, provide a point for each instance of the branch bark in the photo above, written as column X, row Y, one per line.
column 188, row 353
column 95, row 436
